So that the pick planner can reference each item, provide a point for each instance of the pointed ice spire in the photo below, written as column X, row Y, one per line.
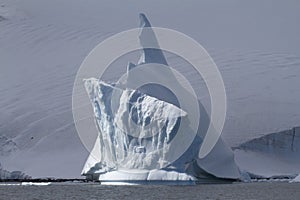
column 147, row 38
column 144, row 22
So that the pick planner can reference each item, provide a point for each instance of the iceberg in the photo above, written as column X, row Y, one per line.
column 139, row 129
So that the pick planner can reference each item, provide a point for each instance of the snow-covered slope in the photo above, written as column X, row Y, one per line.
column 297, row 179
column 42, row 44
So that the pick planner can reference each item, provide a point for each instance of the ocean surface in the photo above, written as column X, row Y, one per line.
column 265, row 190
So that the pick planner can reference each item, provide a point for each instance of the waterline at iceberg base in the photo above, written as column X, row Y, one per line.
column 128, row 150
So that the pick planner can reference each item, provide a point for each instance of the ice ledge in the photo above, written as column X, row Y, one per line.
column 145, row 175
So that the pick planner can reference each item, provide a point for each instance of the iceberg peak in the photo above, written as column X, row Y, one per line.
column 144, row 22
column 148, row 39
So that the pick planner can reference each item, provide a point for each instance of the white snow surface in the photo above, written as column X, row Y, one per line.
column 297, row 179
column 42, row 44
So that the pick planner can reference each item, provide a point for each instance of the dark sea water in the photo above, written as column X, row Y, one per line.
column 203, row 191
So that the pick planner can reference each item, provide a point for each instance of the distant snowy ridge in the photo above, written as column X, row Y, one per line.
column 7, row 175
column 297, row 179
column 287, row 141
column 272, row 155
